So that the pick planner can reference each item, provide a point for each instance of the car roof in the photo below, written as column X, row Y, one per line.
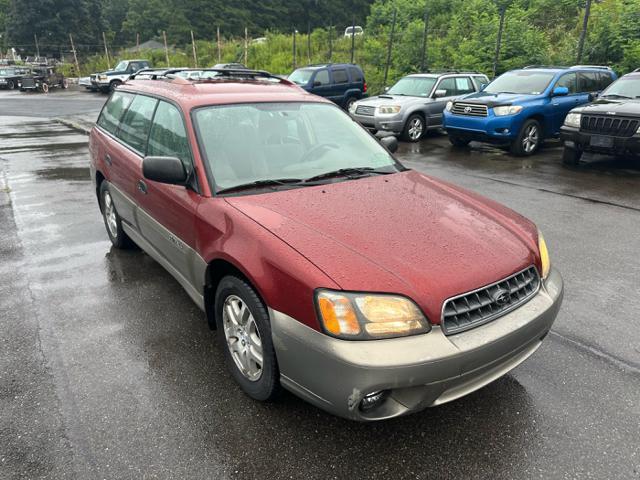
column 325, row 65
column 562, row 69
column 192, row 94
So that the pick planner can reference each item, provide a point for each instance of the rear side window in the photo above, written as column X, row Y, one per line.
column 168, row 136
column 113, row 110
column 569, row 80
column 340, row 76
column 356, row 75
column 136, row 123
column 604, row 81
column 448, row 84
column 589, row 81
column 322, row 76
column 463, row 85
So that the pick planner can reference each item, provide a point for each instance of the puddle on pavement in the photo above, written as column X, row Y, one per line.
column 74, row 174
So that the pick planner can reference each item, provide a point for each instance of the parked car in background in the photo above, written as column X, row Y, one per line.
column 610, row 125
column 42, row 79
column 522, row 107
column 86, row 83
column 342, row 83
column 327, row 267
column 111, row 79
column 415, row 103
column 10, row 77
column 355, row 31
column 231, row 66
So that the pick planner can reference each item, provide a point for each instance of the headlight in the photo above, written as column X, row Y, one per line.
column 507, row 110
column 544, row 255
column 352, row 107
column 364, row 316
column 448, row 106
column 388, row 109
column 572, row 120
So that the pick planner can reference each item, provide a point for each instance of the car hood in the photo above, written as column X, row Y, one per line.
column 612, row 107
column 495, row 99
column 388, row 99
column 404, row 233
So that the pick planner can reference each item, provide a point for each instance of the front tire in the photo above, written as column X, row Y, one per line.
column 244, row 332
column 114, row 84
column 11, row 85
column 571, row 156
column 529, row 139
column 112, row 220
column 414, row 128
column 45, row 88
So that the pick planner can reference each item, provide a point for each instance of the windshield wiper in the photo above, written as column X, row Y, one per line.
column 614, row 95
column 346, row 172
column 269, row 182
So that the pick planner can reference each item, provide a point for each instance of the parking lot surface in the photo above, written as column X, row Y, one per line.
column 108, row 370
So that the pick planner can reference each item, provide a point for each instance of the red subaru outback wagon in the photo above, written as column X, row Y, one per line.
column 327, row 267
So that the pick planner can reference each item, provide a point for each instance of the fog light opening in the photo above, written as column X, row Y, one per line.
column 373, row 400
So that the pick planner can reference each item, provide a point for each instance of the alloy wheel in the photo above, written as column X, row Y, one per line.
column 110, row 215
column 243, row 337
column 415, row 129
column 530, row 139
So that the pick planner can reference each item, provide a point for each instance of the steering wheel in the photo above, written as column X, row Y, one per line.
column 321, row 147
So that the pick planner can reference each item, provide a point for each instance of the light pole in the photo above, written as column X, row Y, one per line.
column 583, row 33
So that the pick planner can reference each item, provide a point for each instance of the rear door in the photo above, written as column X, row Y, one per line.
column 339, row 83
column 167, row 212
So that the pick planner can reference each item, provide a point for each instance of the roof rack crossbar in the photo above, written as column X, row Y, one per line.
column 171, row 73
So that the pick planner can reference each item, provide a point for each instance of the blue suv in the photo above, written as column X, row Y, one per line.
column 523, row 107
column 342, row 83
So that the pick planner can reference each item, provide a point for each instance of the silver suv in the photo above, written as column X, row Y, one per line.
column 415, row 103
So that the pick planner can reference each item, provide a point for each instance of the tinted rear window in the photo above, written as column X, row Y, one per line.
column 113, row 111
column 340, row 76
column 605, row 80
column 589, row 81
column 356, row 74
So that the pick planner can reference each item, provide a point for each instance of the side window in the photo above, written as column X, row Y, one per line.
column 604, row 81
column 480, row 79
column 356, row 75
column 569, row 80
column 113, row 110
column 322, row 76
column 589, row 81
column 448, row 84
column 135, row 125
column 340, row 76
column 168, row 137
column 463, row 85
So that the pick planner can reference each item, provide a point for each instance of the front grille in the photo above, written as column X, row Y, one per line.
column 609, row 125
column 365, row 110
column 469, row 109
column 28, row 82
column 488, row 303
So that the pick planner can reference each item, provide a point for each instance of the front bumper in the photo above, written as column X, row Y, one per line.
column 489, row 129
column 419, row 371
column 573, row 138
column 384, row 123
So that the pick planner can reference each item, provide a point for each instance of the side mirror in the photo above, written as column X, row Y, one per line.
column 390, row 143
column 386, row 89
column 483, row 86
column 164, row 170
column 560, row 91
column 440, row 93
column 317, row 83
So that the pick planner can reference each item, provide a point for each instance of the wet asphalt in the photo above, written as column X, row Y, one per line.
column 108, row 370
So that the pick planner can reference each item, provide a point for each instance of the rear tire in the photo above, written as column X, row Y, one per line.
column 529, row 139
column 414, row 128
column 458, row 142
column 571, row 156
column 244, row 332
column 11, row 85
column 112, row 221
column 45, row 88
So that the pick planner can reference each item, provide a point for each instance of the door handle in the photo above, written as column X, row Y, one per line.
column 142, row 186
column 107, row 158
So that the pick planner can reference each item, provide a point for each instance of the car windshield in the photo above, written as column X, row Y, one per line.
column 413, row 86
column 121, row 66
column 525, row 82
column 259, row 142
column 628, row 87
column 7, row 72
column 301, row 76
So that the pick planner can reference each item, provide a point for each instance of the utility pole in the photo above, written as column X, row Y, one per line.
column 309, row 43
column 353, row 36
column 193, row 47
column 37, row 46
column 166, row 49
column 583, row 33
column 294, row 48
column 330, row 29
column 75, row 57
column 246, row 45
column 502, row 9
column 391, row 35
column 106, row 50
column 424, row 38
column 219, row 45
column 137, row 43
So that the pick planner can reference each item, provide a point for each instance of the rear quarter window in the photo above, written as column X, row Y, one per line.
column 356, row 75
column 113, row 111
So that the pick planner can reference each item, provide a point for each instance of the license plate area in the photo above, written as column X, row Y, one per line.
column 601, row 141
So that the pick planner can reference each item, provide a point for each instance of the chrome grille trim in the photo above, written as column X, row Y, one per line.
column 367, row 110
column 473, row 109
column 609, row 125
column 475, row 308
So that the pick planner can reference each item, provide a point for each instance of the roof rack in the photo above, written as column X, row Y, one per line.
column 599, row 67
column 544, row 66
column 221, row 73
column 447, row 71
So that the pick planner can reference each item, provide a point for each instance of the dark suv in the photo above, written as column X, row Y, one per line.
column 342, row 83
column 610, row 125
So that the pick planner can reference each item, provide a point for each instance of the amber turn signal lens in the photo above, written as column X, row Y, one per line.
column 544, row 256
column 337, row 314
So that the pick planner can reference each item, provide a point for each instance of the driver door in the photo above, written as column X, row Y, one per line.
column 561, row 105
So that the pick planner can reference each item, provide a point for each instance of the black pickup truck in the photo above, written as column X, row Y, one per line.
column 610, row 125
